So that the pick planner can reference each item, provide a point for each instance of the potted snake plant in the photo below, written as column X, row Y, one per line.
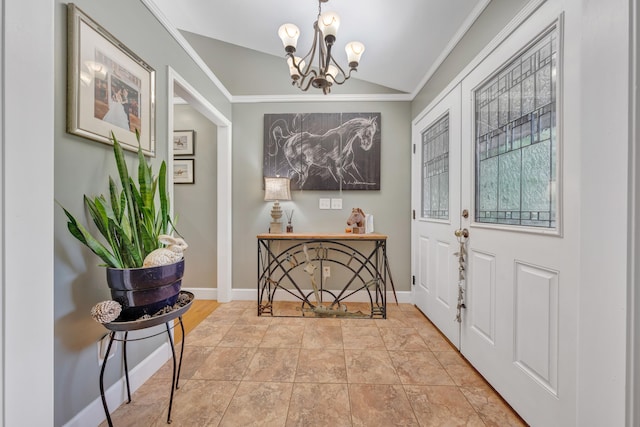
column 132, row 227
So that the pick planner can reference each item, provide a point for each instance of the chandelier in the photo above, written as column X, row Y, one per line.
column 326, row 71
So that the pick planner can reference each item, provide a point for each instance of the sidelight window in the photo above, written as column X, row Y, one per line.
column 435, row 170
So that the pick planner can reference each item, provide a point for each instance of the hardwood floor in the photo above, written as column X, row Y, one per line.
column 199, row 311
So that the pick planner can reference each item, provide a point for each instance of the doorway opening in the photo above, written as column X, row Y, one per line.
column 180, row 88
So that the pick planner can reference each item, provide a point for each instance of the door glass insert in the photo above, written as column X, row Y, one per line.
column 435, row 170
column 516, row 140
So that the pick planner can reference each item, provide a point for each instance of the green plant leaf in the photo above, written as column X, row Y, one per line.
column 145, row 181
column 80, row 233
column 164, row 199
column 114, row 197
column 125, row 180
column 99, row 219
column 130, row 252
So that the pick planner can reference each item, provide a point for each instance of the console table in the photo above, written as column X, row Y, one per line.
column 127, row 327
column 298, row 266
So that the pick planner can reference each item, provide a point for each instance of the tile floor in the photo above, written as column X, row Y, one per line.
column 244, row 370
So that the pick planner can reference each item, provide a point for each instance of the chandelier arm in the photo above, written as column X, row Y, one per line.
column 328, row 59
column 307, row 80
column 302, row 72
column 344, row 75
column 308, row 58
column 323, row 56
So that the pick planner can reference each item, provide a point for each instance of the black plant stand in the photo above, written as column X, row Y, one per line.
column 126, row 327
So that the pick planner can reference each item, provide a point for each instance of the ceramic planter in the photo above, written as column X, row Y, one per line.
column 145, row 290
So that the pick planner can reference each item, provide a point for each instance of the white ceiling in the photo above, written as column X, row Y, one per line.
column 404, row 39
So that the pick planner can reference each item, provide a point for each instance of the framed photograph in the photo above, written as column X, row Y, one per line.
column 183, row 171
column 184, row 142
column 109, row 88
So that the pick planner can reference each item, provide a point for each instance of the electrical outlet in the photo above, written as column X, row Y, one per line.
column 336, row 203
column 326, row 271
column 102, row 349
column 325, row 204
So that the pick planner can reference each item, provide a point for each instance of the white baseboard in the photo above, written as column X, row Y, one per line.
column 93, row 414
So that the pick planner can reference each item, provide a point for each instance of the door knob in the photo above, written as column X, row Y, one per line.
column 462, row 232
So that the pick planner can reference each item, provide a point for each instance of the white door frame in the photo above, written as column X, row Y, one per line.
column 633, row 356
column 27, row 341
column 180, row 87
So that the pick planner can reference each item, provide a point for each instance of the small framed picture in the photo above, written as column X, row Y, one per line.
column 183, row 171
column 110, row 89
column 184, row 142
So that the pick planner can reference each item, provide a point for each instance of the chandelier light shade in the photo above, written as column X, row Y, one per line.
column 320, row 71
column 276, row 189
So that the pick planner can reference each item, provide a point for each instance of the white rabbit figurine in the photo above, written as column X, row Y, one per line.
column 167, row 255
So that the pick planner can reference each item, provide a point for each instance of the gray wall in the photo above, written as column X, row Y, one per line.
column 195, row 204
column 390, row 206
column 82, row 167
column 490, row 22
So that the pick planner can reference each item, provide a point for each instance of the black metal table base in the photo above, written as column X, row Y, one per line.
column 175, row 376
column 284, row 265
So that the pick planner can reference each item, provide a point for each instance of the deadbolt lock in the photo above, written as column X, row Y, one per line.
column 462, row 232
column 465, row 213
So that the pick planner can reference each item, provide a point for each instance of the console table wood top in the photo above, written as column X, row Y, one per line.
column 321, row 236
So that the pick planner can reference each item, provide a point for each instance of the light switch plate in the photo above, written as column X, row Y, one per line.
column 336, row 203
column 325, row 204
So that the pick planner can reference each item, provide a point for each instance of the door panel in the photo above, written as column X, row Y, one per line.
column 510, row 178
column 436, row 189
column 536, row 324
column 481, row 298
column 443, row 277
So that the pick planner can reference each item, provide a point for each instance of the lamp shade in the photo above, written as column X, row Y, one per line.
column 277, row 188
column 293, row 71
column 289, row 34
column 329, row 22
column 332, row 71
column 354, row 52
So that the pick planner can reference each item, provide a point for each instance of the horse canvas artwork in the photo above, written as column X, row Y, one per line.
column 324, row 151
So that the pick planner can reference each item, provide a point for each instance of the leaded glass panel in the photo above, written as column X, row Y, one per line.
column 515, row 140
column 435, row 170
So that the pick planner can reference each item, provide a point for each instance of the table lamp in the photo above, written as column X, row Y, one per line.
column 276, row 189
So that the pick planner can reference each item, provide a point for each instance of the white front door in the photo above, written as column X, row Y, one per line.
column 436, row 170
column 520, row 271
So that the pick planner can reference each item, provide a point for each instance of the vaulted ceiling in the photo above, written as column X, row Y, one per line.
column 405, row 39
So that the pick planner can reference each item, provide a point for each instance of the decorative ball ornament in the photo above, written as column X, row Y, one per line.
column 183, row 299
column 106, row 311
